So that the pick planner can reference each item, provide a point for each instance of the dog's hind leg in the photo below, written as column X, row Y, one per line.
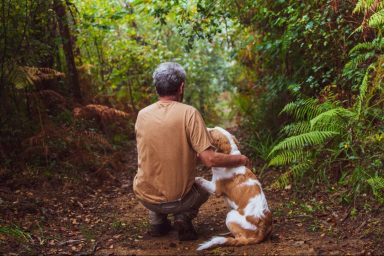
column 208, row 186
column 237, row 222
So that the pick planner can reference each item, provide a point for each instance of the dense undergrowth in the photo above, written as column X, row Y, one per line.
column 338, row 138
column 310, row 91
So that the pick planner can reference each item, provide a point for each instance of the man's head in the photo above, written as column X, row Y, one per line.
column 169, row 79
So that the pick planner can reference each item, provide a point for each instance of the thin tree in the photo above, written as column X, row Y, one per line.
column 62, row 19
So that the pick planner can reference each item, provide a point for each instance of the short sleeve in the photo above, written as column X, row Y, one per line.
column 198, row 134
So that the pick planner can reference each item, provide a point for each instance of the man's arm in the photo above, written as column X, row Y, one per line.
column 211, row 158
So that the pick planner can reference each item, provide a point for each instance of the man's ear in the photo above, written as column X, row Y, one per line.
column 181, row 88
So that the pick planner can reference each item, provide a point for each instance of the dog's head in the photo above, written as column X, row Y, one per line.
column 224, row 141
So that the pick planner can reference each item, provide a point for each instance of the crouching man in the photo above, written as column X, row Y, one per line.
column 170, row 137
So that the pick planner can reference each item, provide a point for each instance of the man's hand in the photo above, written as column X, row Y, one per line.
column 246, row 162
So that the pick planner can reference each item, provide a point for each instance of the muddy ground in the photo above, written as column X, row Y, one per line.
column 66, row 216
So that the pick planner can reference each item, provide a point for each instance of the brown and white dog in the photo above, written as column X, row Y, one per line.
column 250, row 220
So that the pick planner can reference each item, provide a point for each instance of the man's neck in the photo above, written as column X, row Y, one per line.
column 169, row 98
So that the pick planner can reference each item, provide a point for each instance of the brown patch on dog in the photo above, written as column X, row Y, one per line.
column 238, row 231
column 233, row 188
column 244, row 236
column 220, row 141
column 264, row 224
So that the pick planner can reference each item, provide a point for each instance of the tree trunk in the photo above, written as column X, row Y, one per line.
column 65, row 34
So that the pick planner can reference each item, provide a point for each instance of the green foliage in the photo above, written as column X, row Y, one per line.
column 377, row 185
column 377, row 19
column 287, row 157
column 15, row 232
column 374, row 11
column 327, row 118
column 128, row 42
column 308, row 146
column 302, row 140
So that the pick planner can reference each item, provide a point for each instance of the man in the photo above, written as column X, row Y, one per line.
column 171, row 136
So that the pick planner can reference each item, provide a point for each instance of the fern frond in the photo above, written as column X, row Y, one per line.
column 377, row 19
column 113, row 114
column 298, row 170
column 302, row 109
column 98, row 138
column 363, row 5
column 282, row 181
column 287, row 157
column 358, row 60
column 17, row 76
column 377, row 44
column 376, row 182
column 36, row 74
column 330, row 116
column 296, row 128
column 363, row 89
column 377, row 185
column 302, row 140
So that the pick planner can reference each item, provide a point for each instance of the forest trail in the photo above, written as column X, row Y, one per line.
column 291, row 235
column 83, row 219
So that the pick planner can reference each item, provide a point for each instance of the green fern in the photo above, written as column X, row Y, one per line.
column 377, row 19
column 282, row 181
column 302, row 140
column 287, row 157
column 377, row 185
column 362, row 5
column 295, row 172
column 317, row 124
column 358, row 60
column 374, row 20
column 363, row 89
column 296, row 128
column 330, row 117
column 376, row 44
column 302, row 109
column 300, row 169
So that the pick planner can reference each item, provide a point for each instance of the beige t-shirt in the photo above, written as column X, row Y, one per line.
column 169, row 135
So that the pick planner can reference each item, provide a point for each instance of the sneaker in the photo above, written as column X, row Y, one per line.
column 160, row 229
column 185, row 230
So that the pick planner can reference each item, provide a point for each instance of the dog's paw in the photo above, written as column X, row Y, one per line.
column 205, row 184
column 199, row 180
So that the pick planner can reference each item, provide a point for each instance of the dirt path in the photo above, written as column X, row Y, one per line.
column 292, row 233
column 77, row 218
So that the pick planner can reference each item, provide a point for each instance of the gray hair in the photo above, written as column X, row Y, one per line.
column 168, row 77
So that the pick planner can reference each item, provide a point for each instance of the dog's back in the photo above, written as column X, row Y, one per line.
column 250, row 219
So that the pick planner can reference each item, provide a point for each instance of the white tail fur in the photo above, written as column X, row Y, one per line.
column 218, row 240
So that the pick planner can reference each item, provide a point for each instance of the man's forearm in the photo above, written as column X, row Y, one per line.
column 211, row 158
column 224, row 160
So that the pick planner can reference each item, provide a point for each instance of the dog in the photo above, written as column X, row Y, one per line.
column 250, row 220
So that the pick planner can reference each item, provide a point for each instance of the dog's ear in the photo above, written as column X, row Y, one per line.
column 220, row 141
column 236, row 142
column 215, row 137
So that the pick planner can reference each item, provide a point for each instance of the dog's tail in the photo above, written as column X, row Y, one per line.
column 228, row 241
